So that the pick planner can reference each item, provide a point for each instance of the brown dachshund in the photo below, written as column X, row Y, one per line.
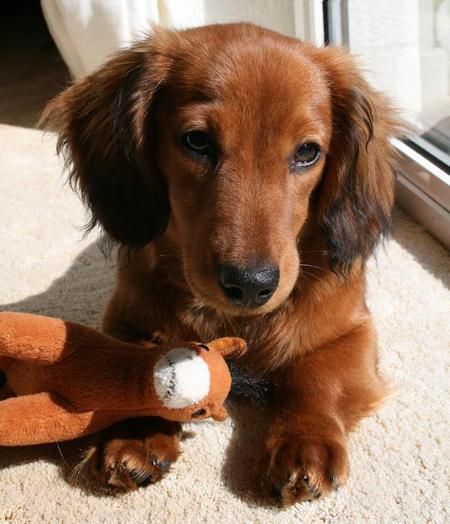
column 247, row 177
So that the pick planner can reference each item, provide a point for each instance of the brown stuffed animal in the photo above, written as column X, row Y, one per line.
column 70, row 380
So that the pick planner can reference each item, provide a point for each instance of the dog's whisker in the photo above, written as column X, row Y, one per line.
column 315, row 267
column 313, row 290
column 61, row 453
column 308, row 252
column 79, row 468
column 320, row 279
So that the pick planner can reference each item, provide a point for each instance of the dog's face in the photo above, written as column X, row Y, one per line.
column 241, row 151
column 226, row 140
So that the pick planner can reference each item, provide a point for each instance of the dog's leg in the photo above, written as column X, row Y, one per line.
column 134, row 453
column 320, row 398
column 129, row 324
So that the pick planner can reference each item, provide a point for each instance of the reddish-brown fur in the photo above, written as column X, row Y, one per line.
column 260, row 95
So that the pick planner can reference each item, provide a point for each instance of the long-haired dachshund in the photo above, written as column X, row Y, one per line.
column 247, row 177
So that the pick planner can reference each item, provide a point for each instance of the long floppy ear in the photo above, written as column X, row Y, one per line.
column 104, row 123
column 356, row 193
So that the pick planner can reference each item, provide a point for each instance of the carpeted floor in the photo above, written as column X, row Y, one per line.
column 400, row 456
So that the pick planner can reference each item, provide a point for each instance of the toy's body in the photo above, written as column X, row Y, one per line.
column 70, row 380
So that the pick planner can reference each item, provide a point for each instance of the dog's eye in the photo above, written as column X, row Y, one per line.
column 198, row 141
column 306, row 155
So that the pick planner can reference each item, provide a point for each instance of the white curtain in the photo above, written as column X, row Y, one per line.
column 86, row 32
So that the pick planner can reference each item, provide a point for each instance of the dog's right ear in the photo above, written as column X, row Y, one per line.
column 106, row 132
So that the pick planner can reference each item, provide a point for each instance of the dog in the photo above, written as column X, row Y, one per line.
column 247, row 177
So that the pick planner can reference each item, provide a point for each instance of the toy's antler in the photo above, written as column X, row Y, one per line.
column 228, row 346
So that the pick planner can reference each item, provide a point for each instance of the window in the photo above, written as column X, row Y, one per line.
column 405, row 47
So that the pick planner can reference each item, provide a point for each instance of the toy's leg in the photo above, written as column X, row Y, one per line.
column 47, row 340
column 41, row 418
column 32, row 337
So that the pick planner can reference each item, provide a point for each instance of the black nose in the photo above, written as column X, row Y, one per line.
column 249, row 286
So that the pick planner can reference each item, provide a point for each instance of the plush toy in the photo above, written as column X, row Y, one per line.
column 70, row 380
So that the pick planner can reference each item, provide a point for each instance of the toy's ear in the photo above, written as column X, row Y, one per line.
column 228, row 346
column 220, row 414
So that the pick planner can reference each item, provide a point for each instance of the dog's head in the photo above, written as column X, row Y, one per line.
column 227, row 142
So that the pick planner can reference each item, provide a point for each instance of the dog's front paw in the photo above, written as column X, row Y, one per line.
column 297, row 468
column 134, row 453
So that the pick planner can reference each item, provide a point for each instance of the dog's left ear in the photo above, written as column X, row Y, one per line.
column 355, row 196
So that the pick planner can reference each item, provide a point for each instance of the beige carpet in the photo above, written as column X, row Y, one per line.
column 400, row 457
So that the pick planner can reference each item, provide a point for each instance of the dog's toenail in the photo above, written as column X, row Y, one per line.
column 140, row 477
column 306, row 478
column 334, row 481
column 146, row 482
column 164, row 465
column 154, row 460
column 277, row 490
